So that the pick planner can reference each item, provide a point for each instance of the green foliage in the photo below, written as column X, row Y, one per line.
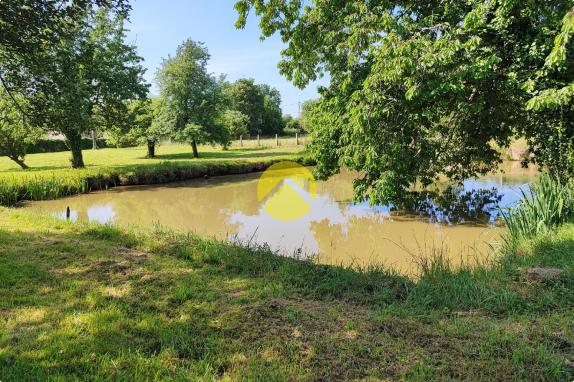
column 558, row 91
column 260, row 102
column 15, row 133
column 306, row 112
column 29, row 25
column 552, row 129
column 420, row 89
column 548, row 204
column 292, row 125
column 149, row 123
column 192, row 97
column 235, row 122
column 82, row 82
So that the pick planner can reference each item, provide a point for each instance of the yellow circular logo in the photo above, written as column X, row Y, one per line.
column 287, row 190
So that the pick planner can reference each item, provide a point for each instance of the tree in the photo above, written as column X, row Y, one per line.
column 30, row 26
column 86, row 81
column 306, row 111
column 235, row 122
column 417, row 89
column 551, row 138
column 292, row 125
column 260, row 102
column 15, row 133
column 193, row 98
column 148, row 124
column 272, row 113
column 246, row 98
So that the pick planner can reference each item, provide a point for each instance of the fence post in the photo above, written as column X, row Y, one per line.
column 241, row 141
column 257, row 139
column 296, row 139
column 276, row 139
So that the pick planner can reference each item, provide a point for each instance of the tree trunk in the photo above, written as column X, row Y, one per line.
column 20, row 162
column 194, row 147
column 150, row 149
column 75, row 142
column 94, row 140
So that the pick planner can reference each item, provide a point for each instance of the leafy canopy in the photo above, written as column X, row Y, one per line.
column 192, row 97
column 82, row 82
column 259, row 102
column 419, row 89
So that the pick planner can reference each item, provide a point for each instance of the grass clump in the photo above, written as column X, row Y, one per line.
column 548, row 204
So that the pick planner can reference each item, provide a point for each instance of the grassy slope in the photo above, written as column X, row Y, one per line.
column 98, row 303
column 50, row 176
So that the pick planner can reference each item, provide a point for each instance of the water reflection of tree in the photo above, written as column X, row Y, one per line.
column 452, row 205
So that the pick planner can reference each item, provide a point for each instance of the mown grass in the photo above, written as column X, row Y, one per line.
column 102, row 303
column 50, row 176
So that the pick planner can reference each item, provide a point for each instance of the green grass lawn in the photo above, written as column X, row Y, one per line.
column 86, row 302
column 135, row 156
column 51, row 177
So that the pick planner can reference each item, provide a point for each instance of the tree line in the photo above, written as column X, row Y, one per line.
column 65, row 67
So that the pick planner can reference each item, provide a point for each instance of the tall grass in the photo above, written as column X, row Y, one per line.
column 547, row 204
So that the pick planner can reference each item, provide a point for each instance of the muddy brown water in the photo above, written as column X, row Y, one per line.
column 335, row 230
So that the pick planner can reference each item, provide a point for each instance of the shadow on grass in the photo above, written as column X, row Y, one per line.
column 229, row 154
column 90, row 304
column 233, row 154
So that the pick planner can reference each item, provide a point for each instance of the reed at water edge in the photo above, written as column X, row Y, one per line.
column 547, row 204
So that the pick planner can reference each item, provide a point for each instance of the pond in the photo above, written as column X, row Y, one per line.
column 461, row 225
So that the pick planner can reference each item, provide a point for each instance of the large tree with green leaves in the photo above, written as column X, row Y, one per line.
column 29, row 27
column 419, row 89
column 148, row 124
column 84, row 81
column 235, row 122
column 259, row 102
column 192, row 97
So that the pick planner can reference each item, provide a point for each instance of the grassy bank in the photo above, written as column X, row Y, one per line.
column 100, row 303
column 50, row 176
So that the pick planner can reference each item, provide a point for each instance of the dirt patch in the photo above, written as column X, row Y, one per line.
column 132, row 253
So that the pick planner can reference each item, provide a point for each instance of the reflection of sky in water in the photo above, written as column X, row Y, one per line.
column 102, row 214
column 266, row 229
column 263, row 228
column 510, row 193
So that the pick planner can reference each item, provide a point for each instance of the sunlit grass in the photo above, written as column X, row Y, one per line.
column 50, row 176
column 134, row 156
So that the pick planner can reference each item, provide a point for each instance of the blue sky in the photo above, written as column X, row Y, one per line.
column 158, row 27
